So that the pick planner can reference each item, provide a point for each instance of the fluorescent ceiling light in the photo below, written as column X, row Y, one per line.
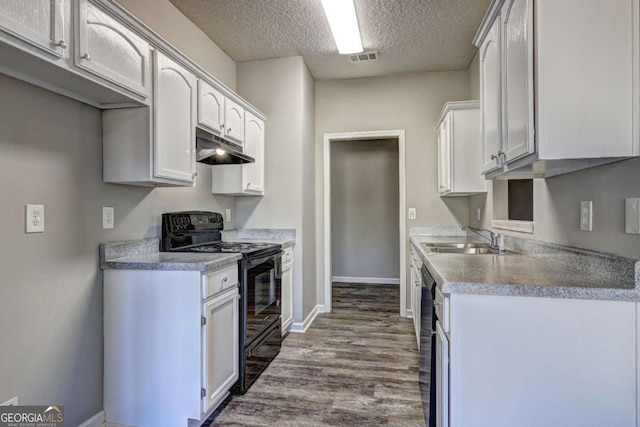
column 344, row 25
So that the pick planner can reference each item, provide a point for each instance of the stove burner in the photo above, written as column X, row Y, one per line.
column 224, row 247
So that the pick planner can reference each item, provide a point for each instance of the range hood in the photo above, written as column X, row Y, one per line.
column 214, row 150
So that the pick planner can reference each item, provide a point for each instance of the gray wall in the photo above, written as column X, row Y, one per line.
column 556, row 203
column 364, row 209
column 283, row 89
column 411, row 102
column 51, row 286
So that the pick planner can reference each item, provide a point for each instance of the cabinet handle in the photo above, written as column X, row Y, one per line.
column 62, row 44
column 229, row 130
column 86, row 56
column 225, row 280
column 501, row 154
column 194, row 175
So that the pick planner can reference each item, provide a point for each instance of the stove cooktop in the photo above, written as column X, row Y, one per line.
column 235, row 247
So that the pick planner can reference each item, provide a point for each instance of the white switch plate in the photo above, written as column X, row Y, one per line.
column 632, row 216
column 227, row 215
column 10, row 402
column 108, row 218
column 34, row 218
column 412, row 213
column 478, row 214
column 586, row 216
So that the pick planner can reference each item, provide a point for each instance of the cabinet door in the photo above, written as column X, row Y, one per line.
column 254, row 147
column 442, row 377
column 110, row 50
column 444, row 156
column 287, row 297
column 174, row 120
column 518, row 138
column 220, row 347
column 210, row 108
column 234, row 121
column 40, row 23
column 491, row 96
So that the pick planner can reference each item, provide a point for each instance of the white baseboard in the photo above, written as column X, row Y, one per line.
column 96, row 421
column 366, row 280
column 301, row 327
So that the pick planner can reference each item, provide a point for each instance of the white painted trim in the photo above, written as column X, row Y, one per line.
column 108, row 424
column 358, row 136
column 367, row 280
column 519, row 226
column 96, row 421
column 409, row 313
column 301, row 327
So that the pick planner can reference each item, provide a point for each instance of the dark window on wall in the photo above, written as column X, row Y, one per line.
column 520, row 199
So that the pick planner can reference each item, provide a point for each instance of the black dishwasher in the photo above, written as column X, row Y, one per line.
column 427, row 376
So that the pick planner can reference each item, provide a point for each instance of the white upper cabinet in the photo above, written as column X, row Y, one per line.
column 459, row 150
column 517, row 78
column 565, row 105
column 254, row 147
column 210, row 108
column 39, row 23
column 490, row 96
column 233, row 121
column 246, row 179
column 174, row 106
column 110, row 50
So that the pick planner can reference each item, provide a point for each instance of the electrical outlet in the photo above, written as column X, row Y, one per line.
column 34, row 218
column 108, row 218
column 586, row 216
column 632, row 216
column 478, row 214
column 10, row 402
column 227, row 215
column 412, row 213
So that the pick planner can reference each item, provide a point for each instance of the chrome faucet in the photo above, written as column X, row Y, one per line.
column 497, row 241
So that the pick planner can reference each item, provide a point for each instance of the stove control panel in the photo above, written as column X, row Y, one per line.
column 184, row 221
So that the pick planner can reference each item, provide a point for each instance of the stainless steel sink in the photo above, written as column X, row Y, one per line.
column 460, row 248
column 455, row 245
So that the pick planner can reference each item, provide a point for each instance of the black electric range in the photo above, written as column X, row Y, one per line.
column 260, row 273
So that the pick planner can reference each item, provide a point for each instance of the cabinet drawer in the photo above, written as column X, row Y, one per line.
column 287, row 255
column 220, row 280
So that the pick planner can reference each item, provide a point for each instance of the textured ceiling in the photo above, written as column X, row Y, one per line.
column 411, row 35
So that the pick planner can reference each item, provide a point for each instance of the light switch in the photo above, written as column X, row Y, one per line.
column 227, row 215
column 478, row 214
column 632, row 216
column 412, row 213
column 586, row 216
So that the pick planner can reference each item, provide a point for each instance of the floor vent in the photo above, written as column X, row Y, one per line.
column 365, row 57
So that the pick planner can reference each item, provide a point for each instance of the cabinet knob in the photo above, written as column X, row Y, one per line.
column 62, row 44
column 225, row 280
column 229, row 130
column 502, row 154
column 86, row 56
column 195, row 174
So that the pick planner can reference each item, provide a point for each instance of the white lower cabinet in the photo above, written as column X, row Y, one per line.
column 442, row 377
column 287, row 290
column 415, row 291
column 170, row 349
column 529, row 362
column 220, row 340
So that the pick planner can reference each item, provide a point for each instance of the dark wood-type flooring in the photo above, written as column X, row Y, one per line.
column 357, row 366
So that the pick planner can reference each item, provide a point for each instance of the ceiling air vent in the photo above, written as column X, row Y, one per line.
column 365, row 57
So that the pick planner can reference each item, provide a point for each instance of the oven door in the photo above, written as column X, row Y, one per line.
column 263, row 282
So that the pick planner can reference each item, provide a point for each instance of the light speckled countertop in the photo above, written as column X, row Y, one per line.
column 144, row 255
column 282, row 236
column 551, row 272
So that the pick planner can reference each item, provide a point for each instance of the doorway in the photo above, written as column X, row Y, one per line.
column 357, row 216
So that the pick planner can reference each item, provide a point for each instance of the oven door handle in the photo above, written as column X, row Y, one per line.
column 254, row 262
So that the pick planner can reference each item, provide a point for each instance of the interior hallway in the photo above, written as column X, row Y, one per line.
column 355, row 366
